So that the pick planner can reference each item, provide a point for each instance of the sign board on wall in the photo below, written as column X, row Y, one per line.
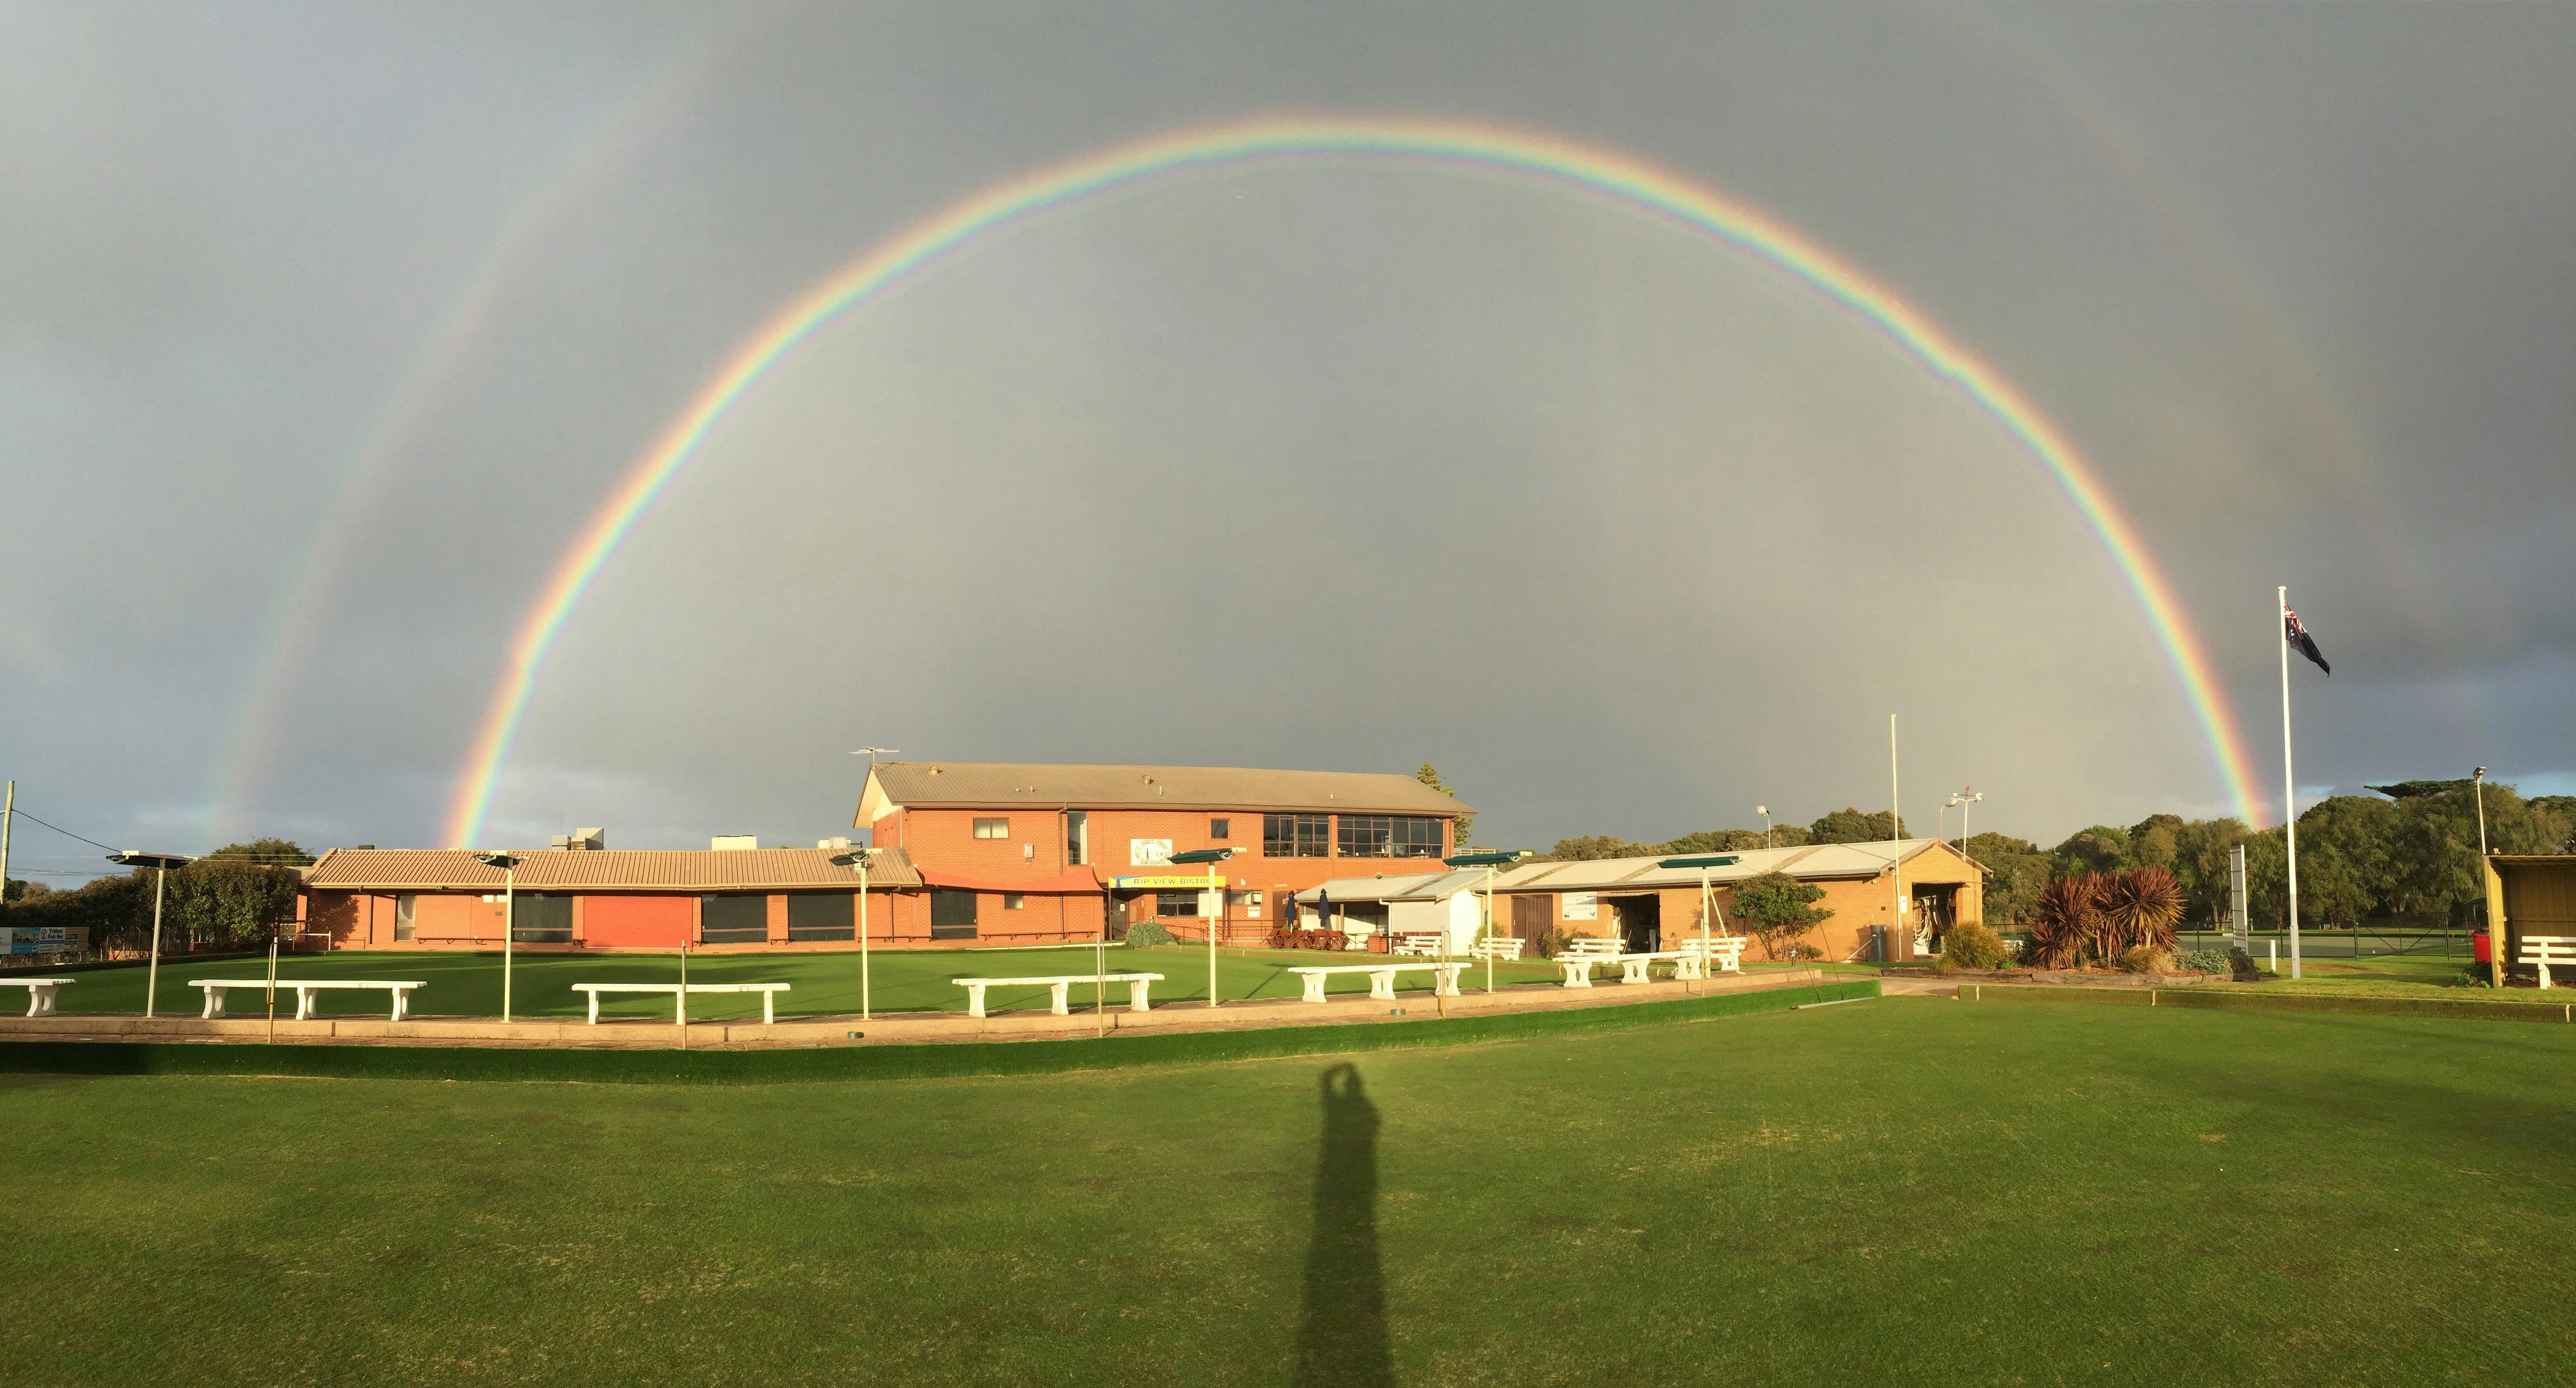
column 47, row 939
column 1149, row 852
column 1196, row 882
column 1582, row 906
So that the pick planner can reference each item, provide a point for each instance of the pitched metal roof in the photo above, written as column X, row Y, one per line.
column 1002, row 784
column 692, row 870
column 1813, row 862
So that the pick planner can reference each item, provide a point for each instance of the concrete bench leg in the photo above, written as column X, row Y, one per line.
column 1057, row 998
column 2544, row 973
column 1578, row 974
column 40, row 1000
column 1382, row 984
column 1448, row 976
column 974, row 999
column 1137, row 988
column 402, row 1004
column 594, row 1009
column 769, row 1009
column 214, row 1003
column 1314, row 987
column 303, row 1004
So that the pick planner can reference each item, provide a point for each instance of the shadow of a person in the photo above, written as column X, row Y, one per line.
column 1341, row 1339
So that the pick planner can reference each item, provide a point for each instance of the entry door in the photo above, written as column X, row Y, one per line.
column 1531, row 917
column 1641, row 922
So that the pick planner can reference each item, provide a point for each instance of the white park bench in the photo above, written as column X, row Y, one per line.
column 680, row 1001
column 40, row 992
column 305, row 988
column 1425, row 943
column 1496, row 947
column 2541, row 950
column 1060, row 989
column 1381, row 978
column 1726, row 952
column 1577, row 964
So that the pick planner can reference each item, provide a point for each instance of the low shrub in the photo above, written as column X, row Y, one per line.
column 2145, row 959
column 2241, row 966
column 2203, row 961
column 1971, row 946
column 1148, row 933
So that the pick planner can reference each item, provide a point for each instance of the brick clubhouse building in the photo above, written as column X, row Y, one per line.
column 1093, row 844
column 966, row 853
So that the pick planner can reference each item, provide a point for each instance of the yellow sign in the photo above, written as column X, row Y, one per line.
column 1198, row 883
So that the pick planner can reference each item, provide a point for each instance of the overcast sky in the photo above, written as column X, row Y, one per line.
column 324, row 329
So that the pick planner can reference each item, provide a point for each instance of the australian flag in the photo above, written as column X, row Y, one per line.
column 2297, row 635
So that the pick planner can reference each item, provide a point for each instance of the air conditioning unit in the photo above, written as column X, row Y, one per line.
column 841, row 844
column 723, row 843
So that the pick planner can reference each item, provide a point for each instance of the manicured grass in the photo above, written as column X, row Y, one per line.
column 1909, row 1190
column 2388, row 976
column 469, row 985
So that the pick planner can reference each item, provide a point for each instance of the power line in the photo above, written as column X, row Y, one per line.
column 66, row 833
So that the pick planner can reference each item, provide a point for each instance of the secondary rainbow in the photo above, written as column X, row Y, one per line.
column 1546, row 159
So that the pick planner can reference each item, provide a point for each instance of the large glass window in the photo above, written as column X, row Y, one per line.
column 1179, row 904
column 541, row 918
column 1296, row 836
column 732, row 918
column 1077, row 837
column 1390, row 836
column 952, row 914
column 1417, row 836
column 822, row 915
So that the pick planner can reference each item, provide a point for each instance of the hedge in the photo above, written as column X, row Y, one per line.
column 910, row 1061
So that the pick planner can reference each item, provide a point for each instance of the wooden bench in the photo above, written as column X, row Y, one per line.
column 1423, row 943
column 1381, row 978
column 1496, row 947
column 1059, row 989
column 305, row 988
column 40, row 992
column 679, row 1001
column 2539, row 950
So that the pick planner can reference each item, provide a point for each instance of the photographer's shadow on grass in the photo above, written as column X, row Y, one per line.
column 1341, row 1337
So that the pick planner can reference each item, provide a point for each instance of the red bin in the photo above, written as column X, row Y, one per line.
column 2481, row 949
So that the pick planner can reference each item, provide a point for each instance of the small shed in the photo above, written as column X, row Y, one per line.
column 2532, row 894
column 1402, row 904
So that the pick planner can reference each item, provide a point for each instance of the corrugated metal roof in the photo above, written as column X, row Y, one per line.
column 997, row 784
column 453, row 869
column 1810, row 863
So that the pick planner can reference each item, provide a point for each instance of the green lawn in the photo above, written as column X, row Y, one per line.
column 2392, row 976
column 469, row 985
column 1904, row 1191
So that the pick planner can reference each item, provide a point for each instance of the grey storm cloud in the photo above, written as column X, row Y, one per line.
column 325, row 332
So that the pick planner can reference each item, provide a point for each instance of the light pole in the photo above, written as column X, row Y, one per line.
column 858, row 858
column 160, row 863
column 1490, row 862
column 1765, row 812
column 509, row 865
column 1211, row 857
column 2495, row 937
column 1707, row 896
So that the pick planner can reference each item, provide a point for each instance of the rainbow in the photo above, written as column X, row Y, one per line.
column 1544, row 159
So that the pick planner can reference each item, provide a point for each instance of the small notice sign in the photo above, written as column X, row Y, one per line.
column 1582, row 906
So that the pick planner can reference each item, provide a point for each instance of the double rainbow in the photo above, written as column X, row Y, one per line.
column 1540, row 158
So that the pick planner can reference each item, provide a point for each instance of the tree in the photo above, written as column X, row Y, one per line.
column 2155, row 840
column 2100, row 848
column 2015, row 871
column 230, row 902
column 19, row 889
column 285, row 852
column 2200, row 864
column 1429, row 775
column 1713, row 841
column 1852, row 826
column 1593, row 847
column 1779, row 909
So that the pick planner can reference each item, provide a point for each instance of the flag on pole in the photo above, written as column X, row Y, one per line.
column 2296, row 634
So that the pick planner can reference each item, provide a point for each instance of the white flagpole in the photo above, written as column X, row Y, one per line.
column 2289, row 781
column 1895, row 844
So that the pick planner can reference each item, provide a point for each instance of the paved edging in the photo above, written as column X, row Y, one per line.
column 926, row 1061
column 2215, row 1000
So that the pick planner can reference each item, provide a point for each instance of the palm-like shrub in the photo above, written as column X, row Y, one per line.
column 2064, row 923
column 2140, row 907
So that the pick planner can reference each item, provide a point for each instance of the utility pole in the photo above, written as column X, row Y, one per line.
column 8, row 812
